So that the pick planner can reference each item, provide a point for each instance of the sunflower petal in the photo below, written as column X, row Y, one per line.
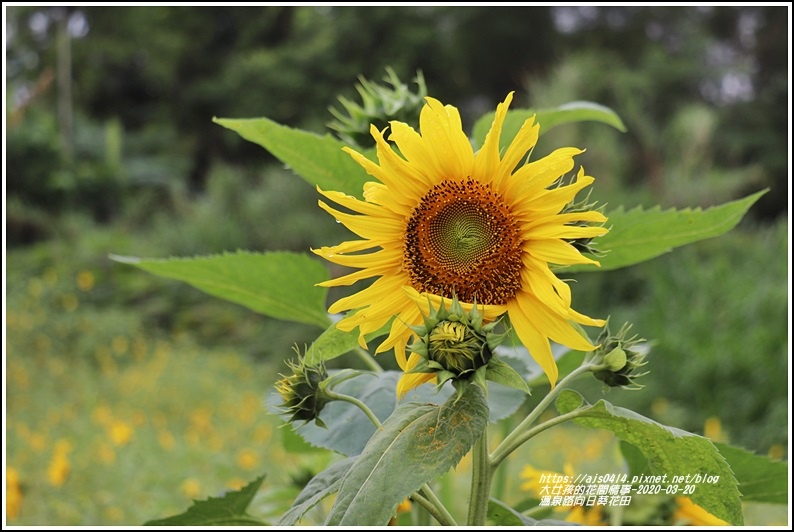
column 558, row 329
column 536, row 342
column 487, row 161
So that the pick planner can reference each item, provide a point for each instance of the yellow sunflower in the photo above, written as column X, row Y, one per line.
column 442, row 220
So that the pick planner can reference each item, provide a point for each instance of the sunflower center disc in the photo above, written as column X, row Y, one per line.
column 462, row 239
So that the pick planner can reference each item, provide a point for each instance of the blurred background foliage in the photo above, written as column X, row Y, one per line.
column 111, row 148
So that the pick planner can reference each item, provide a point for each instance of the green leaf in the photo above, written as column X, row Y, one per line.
column 277, row 284
column 761, row 479
column 317, row 159
column 639, row 235
column 318, row 488
column 547, row 118
column 229, row 510
column 502, row 373
column 638, row 464
column 670, row 452
column 334, row 342
column 415, row 445
column 500, row 514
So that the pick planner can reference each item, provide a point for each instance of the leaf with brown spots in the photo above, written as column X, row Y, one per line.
column 416, row 444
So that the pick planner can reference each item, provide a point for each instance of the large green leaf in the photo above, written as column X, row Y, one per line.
column 318, row 488
column 670, row 452
column 761, row 479
column 317, row 159
column 276, row 284
column 229, row 510
column 547, row 118
column 639, row 235
column 415, row 445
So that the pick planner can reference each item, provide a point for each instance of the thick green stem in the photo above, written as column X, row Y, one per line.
column 368, row 359
column 516, row 438
column 480, row 482
column 348, row 399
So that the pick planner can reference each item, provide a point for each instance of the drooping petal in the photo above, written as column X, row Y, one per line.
column 536, row 342
column 558, row 329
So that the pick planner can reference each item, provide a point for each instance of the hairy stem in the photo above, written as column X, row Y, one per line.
column 480, row 482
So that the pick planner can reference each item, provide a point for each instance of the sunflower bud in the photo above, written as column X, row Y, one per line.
column 454, row 343
column 457, row 347
column 379, row 105
column 302, row 392
column 618, row 358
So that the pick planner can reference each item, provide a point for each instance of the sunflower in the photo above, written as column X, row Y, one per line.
column 441, row 220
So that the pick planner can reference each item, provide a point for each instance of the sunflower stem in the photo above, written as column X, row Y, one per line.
column 446, row 517
column 480, row 482
column 352, row 400
column 537, row 429
column 367, row 359
column 517, row 437
column 442, row 517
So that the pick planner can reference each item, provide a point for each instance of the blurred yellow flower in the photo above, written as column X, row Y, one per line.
column 236, row 483
column 191, row 488
column 777, row 451
column 689, row 513
column 166, row 439
column 85, row 280
column 101, row 414
column 58, row 470
column 13, row 493
column 532, row 478
column 120, row 433
column 712, row 429
column 248, row 459
column 591, row 516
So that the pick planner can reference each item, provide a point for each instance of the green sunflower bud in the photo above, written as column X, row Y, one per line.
column 619, row 358
column 302, row 392
column 454, row 343
column 379, row 105
column 457, row 347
